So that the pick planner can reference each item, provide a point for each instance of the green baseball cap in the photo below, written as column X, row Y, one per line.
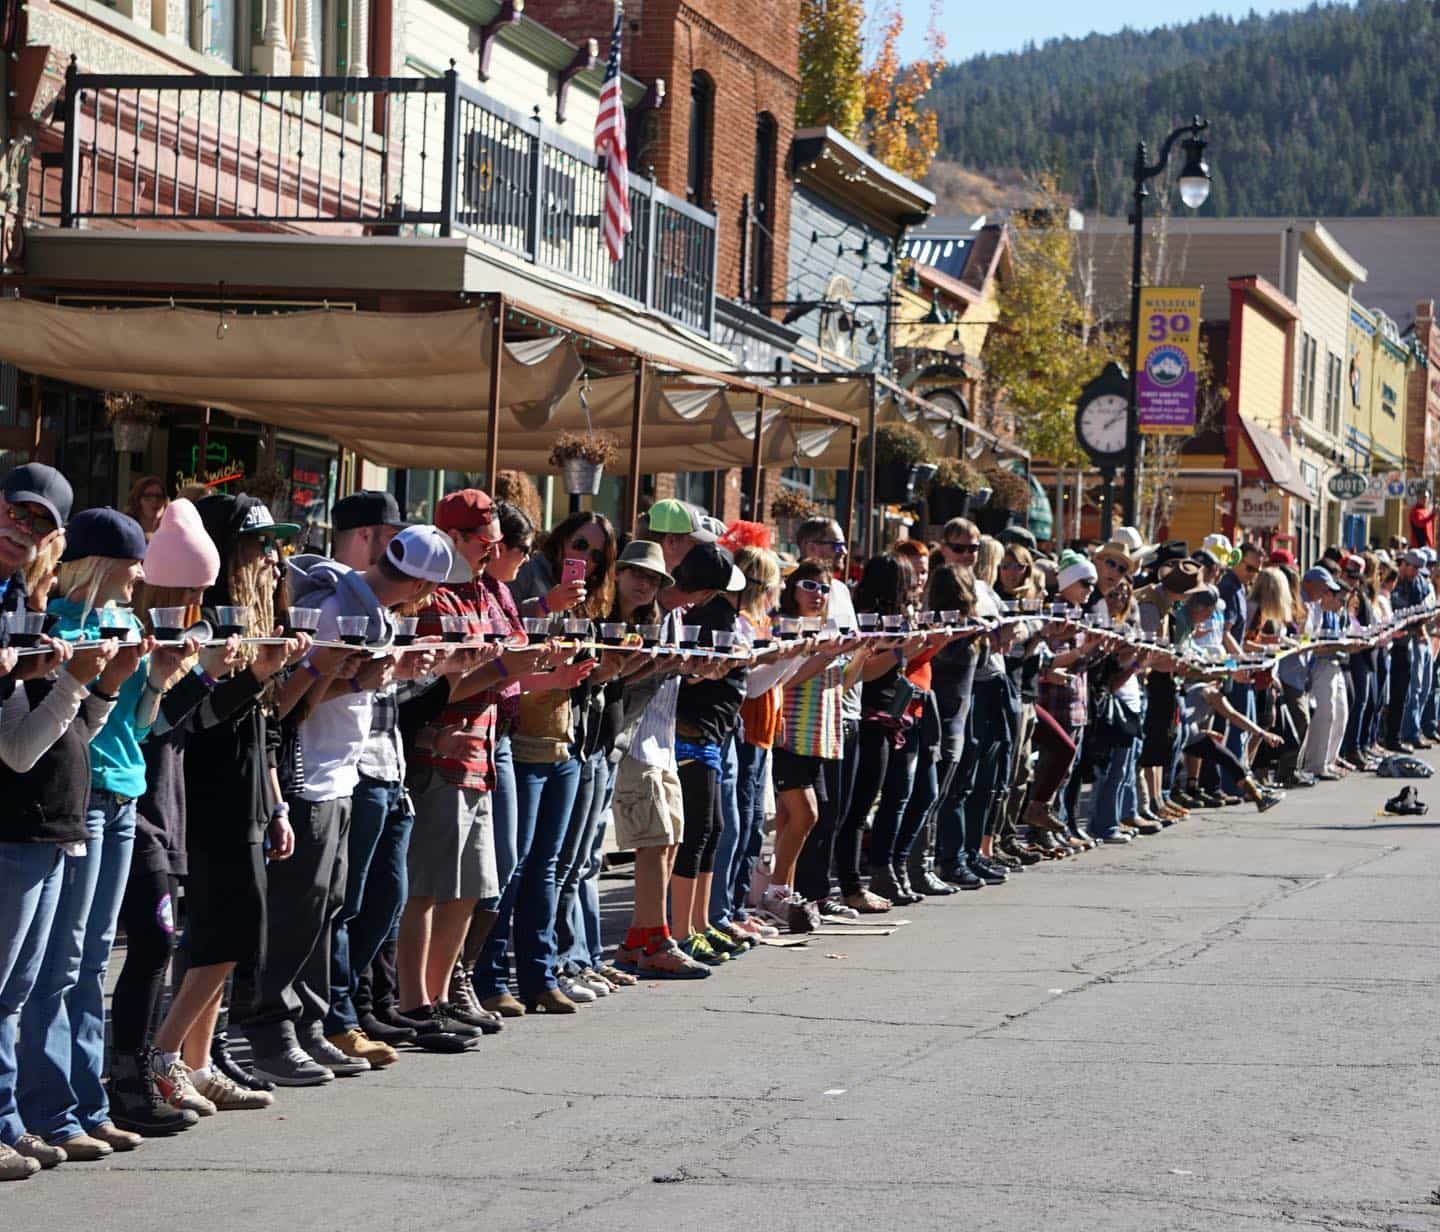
column 677, row 517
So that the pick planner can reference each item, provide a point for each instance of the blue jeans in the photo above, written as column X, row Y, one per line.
column 62, row 1027
column 1242, row 697
column 30, row 879
column 502, row 800
column 729, row 841
column 1115, row 790
column 983, row 767
column 544, row 796
column 1362, row 708
column 375, row 891
column 592, row 797
column 738, row 850
column 1421, row 683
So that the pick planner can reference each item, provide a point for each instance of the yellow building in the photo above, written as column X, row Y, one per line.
column 1379, row 365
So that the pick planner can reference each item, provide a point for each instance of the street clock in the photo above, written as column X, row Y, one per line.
column 1102, row 415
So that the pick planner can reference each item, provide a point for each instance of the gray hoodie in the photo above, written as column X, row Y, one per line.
column 314, row 578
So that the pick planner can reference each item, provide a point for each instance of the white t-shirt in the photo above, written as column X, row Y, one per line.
column 654, row 740
column 333, row 733
column 842, row 612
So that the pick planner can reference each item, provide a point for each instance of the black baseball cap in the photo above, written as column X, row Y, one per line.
column 104, row 532
column 366, row 508
column 43, row 485
column 707, row 566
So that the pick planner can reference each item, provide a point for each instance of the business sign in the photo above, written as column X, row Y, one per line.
column 1165, row 384
column 1395, row 485
column 1415, row 487
column 1366, row 506
column 1263, row 510
column 1347, row 485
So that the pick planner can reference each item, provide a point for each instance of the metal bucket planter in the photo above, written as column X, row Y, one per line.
column 131, row 435
column 582, row 478
column 947, row 503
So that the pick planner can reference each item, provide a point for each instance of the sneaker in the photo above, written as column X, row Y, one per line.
column 746, row 940
column 722, row 943
column 1268, row 800
column 230, row 1096
column 695, row 946
column 800, row 916
column 619, row 978
column 136, row 1101
column 15, row 1166
column 597, row 981
column 576, row 991
column 435, row 1032
column 670, row 962
column 757, row 928
column 385, row 1032
column 294, row 1068
column 775, row 902
column 355, row 1043
column 323, row 1052
column 1117, row 839
column 628, row 959
column 222, row 1059
column 35, row 1147
column 176, row 1087
column 834, row 909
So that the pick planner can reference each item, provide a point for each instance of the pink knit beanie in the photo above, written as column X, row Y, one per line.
column 181, row 554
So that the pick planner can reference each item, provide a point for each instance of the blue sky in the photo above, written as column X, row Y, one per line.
column 974, row 28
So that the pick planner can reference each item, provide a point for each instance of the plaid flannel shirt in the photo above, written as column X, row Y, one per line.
column 474, row 764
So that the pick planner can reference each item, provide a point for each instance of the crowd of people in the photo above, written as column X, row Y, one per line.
column 349, row 804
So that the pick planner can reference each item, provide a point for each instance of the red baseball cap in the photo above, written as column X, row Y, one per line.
column 468, row 509
column 1282, row 556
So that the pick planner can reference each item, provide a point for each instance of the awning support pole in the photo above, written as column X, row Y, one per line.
column 870, row 464
column 492, row 425
column 637, row 420
column 854, row 494
column 757, row 472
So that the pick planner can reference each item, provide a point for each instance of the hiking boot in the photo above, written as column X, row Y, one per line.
column 137, row 1103
column 355, row 1043
column 36, row 1148
column 229, row 1096
column 670, row 962
column 83, row 1149
column 222, row 1059
column 15, row 1166
column 115, row 1138
column 504, row 1004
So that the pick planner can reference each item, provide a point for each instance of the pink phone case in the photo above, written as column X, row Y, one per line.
column 573, row 570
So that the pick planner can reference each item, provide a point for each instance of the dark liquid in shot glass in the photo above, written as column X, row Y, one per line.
column 119, row 632
column 404, row 639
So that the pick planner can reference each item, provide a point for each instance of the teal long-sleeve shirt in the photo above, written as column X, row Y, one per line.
column 116, row 762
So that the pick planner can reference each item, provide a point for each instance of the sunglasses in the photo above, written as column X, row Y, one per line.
column 36, row 521
column 266, row 543
column 813, row 587
column 525, row 549
column 961, row 549
column 1010, row 563
column 1119, row 566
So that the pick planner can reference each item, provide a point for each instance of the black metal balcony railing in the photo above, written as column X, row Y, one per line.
column 378, row 155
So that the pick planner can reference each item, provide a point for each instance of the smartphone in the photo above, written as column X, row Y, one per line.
column 574, row 569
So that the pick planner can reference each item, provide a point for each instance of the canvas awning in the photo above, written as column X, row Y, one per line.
column 402, row 389
column 330, row 371
column 1274, row 461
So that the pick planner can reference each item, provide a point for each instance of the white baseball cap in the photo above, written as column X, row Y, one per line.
column 422, row 552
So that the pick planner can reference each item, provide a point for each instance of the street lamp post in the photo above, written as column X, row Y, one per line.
column 1194, row 190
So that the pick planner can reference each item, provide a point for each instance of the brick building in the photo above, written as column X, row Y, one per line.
column 1422, row 400
column 731, row 69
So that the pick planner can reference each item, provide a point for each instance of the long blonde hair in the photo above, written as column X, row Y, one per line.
column 38, row 571
column 761, row 568
column 80, row 580
column 987, row 559
column 1270, row 599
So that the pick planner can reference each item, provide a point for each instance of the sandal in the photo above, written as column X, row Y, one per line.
column 866, row 903
column 621, row 979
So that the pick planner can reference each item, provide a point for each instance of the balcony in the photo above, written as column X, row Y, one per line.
column 369, row 156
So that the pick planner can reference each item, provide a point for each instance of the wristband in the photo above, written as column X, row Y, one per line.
column 280, row 810
column 95, row 691
column 314, row 671
column 150, row 688
column 209, row 680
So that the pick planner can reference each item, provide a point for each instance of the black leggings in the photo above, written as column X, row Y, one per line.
column 148, row 913
column 700, row 790
column 1215, row 754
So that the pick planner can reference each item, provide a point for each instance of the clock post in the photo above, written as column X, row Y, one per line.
column 1102, row 430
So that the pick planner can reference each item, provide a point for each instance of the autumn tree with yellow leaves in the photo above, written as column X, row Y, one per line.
column 859, row 86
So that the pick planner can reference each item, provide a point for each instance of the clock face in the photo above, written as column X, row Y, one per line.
column 1101, row 424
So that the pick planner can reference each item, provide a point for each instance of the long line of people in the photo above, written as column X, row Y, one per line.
column 384, row 779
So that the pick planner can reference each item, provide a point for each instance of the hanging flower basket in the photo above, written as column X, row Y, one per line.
column 131, row 418
column 131, row 435
column 789, row 509
column 582, row 457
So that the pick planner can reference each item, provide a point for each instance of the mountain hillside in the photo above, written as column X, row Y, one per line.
column 1333, row 110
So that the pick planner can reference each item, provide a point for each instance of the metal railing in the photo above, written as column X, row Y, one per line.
column 373, row 155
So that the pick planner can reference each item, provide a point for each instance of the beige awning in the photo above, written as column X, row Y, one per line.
column 325, row 370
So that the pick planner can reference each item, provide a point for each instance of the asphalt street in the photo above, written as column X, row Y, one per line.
column 1229, row 1025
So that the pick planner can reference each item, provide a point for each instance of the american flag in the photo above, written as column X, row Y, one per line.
column 610, row 144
